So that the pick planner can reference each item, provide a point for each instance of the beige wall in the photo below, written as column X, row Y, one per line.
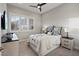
column 19, row 11
column 60, row 17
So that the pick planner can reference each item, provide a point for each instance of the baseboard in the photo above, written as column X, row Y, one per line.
column 76, row 48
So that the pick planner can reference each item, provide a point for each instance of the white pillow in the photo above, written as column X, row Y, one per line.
column 49, row 33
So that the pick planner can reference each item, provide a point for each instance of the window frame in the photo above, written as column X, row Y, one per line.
column 21, row 30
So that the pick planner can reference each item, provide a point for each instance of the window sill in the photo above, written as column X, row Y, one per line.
column 20, row 30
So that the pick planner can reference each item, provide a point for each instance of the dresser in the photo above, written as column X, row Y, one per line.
column 67, row 42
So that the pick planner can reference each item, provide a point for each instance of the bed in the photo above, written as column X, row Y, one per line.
column 42, row 44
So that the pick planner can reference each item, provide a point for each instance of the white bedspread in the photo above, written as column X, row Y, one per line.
column 44, row 42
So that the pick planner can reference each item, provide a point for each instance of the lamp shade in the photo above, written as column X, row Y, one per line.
column 66, row 30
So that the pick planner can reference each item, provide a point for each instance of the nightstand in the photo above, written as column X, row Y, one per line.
column 67, row 42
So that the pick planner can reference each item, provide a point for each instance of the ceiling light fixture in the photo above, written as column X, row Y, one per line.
column 38, row 7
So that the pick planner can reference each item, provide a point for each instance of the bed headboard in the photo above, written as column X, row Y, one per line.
column 54, row 30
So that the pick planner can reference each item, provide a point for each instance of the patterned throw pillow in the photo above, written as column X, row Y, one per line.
column 49, row 33
column 56, row 30
column 50, row 28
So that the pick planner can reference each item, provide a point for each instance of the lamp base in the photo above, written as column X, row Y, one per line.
column 67, row 35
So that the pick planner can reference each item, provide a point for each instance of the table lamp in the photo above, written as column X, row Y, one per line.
column 66, row 30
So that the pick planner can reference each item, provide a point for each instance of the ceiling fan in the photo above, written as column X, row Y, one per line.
column 39, row 5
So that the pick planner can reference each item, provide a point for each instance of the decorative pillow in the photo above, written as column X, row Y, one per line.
column 44, row 29
column 56, row 31
column 50, row 28
column 49, row 33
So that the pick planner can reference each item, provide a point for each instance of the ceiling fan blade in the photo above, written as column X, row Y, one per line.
column 42, row 4
column 33, row 6
column 40, row 9
column 39, row 5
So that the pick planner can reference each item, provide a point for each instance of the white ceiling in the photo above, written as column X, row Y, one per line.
column 45, row 7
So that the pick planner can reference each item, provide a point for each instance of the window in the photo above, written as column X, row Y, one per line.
column 30, row 23
column 21, row 23
column 15, row 22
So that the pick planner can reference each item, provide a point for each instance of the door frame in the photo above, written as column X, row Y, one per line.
column 0, row 32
